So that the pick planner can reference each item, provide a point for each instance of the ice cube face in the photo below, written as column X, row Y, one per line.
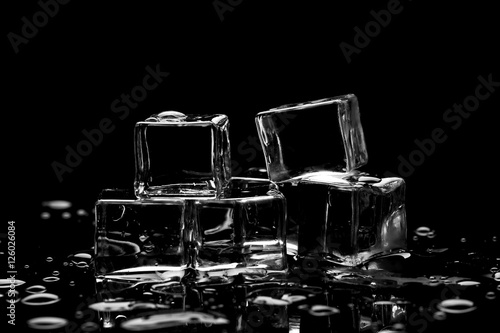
column 345, row 218
column 246, row 229
column 337, row 130
column 182, row 155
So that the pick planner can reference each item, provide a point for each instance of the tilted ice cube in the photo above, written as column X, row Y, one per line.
column 182, row 155
column 345, row 218
column 319, row 135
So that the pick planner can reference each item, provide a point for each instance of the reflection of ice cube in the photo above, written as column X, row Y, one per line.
column 247, row 228
column 182, row 155
column 290, row 136
column 345, row 217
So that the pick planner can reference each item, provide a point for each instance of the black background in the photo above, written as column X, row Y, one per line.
column 261, row 55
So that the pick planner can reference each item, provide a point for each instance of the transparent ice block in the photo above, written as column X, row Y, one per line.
column 335, row 212
column 182, row 155
column 290, row 135
column 245, row 229
column 346, row 218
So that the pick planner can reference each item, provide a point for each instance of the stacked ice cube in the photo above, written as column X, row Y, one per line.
column 186, row 210
column 336, row 213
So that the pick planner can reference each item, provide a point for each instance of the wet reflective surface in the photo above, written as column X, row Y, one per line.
column 440, row 283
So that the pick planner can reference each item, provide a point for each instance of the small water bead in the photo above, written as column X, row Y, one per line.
column 40, row 299
column 494, row 239
column 494, row 269
column 490, row 295
column 431, row 234
column 439, row 315
column 79, row 314
column 7, row 283
column 415, row 238
column 422, row 231
column 49, row 259
column 463, row 240
column 35, row 289
column 82, row 212
column 496, row 276
column 47, row 323
column 72, row 283
column 89, row 326
column 66, row 215
column 55, row 273
column 468, row 283
column 51, row 279
column 456, row 306
column 45, row 215
column 26, row 266
column 57, row 204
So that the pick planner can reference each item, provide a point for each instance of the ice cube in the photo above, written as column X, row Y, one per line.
column 245, row 229
column 345, row 218
column 319, row 135
column 182, row 155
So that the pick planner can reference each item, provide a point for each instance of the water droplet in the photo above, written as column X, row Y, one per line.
column 47, row 323
column 40, row 299
column 494, row 239
column 431, row 234
column 498, row 287
column 7, row 283
column 84, row 256
column 65, row 263
column 89, row 326
column 456, row 306
column 55, row 273
column 494, row 269
column 82, row 264
column 35, row 289
column 422, row 231
column 45, row 215
column 463, row 240
column 79, row 314
column 439, row 315
column 26, row 266
column 415, row 238
column 468, row 283
column 82, row 212
column 57, row 204
column 51, row 279
column 49, row 259
column 496, row 276
column 491, row 295
column 66, row 215
column 72, row 283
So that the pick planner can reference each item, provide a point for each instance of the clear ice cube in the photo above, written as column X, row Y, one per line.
column 182, row 155
column 345, row 218
column 248, row 227
column 333, row 123
column 245, row 229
